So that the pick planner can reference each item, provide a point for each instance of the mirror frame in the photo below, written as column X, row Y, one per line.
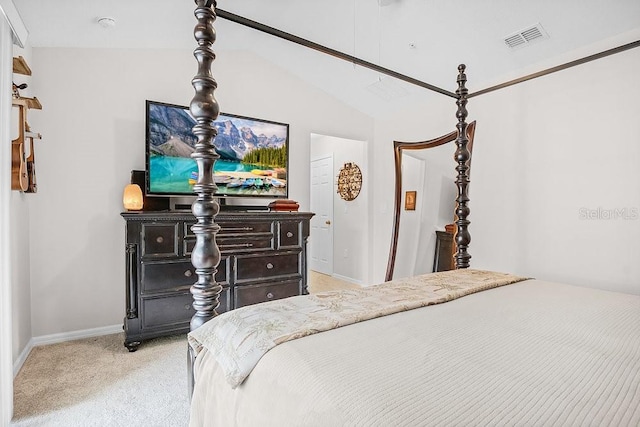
column 398, row 148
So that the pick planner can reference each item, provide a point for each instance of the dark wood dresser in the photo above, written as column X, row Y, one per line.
column 263, row 257
column 445, row 249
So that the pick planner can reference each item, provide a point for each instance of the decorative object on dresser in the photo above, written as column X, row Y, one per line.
column 284, row 205
column 263, row 257
column 132, row 199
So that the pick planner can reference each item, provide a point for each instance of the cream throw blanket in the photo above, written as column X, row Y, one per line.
column 239, row 338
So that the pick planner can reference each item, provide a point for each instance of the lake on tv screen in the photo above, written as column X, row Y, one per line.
column 176, row 175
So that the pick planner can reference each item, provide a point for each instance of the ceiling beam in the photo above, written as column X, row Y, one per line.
column 320, row 48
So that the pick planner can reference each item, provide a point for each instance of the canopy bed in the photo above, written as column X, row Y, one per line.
column 462, row 347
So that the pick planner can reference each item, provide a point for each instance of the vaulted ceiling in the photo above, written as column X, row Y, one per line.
column 423, row 39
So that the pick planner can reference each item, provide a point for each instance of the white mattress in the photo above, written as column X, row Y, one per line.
column 528, row 354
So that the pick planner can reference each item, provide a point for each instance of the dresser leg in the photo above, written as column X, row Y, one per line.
column 132, row 346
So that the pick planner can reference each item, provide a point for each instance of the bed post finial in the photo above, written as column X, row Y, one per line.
column 462, row 156
column 204, row 108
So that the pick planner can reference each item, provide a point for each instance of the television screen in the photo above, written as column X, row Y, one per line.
column 253, row 154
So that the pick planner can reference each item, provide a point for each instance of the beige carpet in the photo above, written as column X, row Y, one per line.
column 97, row 382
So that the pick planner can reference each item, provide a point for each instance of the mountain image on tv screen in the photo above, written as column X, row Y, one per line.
column 253, row 153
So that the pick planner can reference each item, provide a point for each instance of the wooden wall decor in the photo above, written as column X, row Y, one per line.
column 410, row 200
column 23, row 167
column 20, row 66
column 349, row 181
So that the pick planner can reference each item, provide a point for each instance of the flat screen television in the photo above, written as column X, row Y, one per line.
column 254, row 154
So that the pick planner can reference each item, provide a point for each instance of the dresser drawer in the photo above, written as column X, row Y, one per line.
column 244, row 227
column 235, row 244
column 235, row 227
column 171, row 275
column 254, row 294
column 249, row 268
column 174, row 309
column 239, row 244
column 159, row 239
column 289, row 234
column 236, row 237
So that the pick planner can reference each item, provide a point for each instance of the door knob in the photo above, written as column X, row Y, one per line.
column 328, row 222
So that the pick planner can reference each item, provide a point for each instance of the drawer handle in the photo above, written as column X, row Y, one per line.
column 289, row 234
column 270, row 295
column 238, row 245
column 159, row 239
column 187, row 306
column 231, row 229
column 188, row 273
column 269, row 266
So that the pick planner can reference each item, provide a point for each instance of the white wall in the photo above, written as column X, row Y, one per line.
column 579, row 149
column 350, row 218
column 93, row 136
column 544, row 151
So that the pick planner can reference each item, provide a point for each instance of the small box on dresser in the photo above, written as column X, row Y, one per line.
column 263, row 257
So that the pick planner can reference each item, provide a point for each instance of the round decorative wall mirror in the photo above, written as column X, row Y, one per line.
column 349, row 181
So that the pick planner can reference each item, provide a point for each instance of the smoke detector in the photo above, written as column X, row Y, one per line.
column 526, row 36
column 106, row 22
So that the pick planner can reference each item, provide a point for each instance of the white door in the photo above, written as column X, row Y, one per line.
column 322, row 222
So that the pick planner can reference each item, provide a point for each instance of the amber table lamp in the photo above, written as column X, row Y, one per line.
column 132, row 197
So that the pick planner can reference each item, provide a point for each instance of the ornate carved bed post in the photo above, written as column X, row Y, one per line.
column 204, row 108
column 462, row 156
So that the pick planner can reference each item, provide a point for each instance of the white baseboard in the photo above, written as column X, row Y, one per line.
column 76, row 335
column 62, row 337
column 347, row 279
column 17, row 365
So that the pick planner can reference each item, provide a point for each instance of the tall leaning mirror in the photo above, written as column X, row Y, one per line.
column 424, row 205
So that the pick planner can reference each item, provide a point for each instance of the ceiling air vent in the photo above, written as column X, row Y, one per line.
column 526, row 36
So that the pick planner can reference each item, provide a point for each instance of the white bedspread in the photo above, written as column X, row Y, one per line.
column 240, row 338
column 529, row 354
